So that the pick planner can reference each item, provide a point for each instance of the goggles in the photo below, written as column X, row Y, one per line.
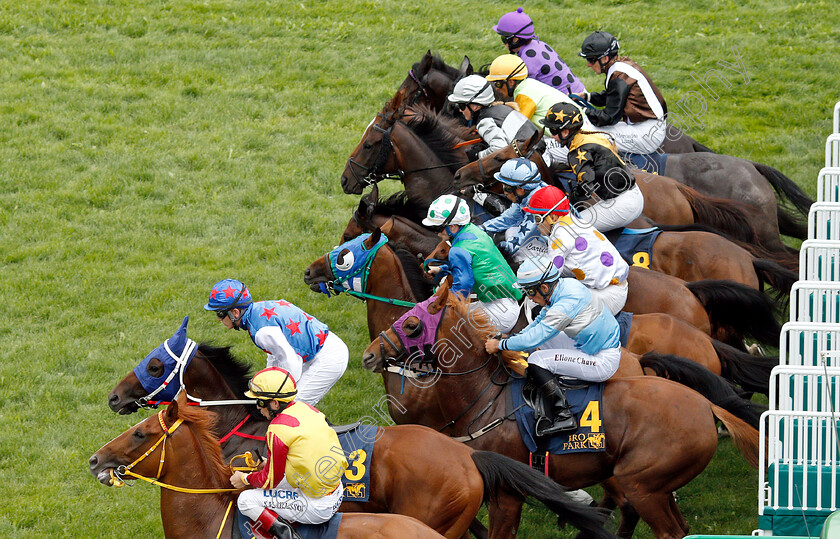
column 221, row 314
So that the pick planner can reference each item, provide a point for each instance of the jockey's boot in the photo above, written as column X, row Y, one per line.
column 554, row 414
column 272, row 526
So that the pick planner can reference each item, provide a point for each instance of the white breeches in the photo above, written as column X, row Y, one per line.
column 613, row 297
column 290, row 503
column 559, row 356
column 643, row 137
column 502, row 312
column 617, row 212
column 323, row 371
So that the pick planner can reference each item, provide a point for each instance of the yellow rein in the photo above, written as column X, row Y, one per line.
column 116, row 479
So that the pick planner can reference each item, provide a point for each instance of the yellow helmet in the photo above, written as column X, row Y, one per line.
column 272, row 383
column 507, row 67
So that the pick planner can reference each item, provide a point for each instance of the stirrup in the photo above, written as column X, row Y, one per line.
column 562, row 422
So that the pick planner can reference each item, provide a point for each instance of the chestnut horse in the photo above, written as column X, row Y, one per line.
column 715, row 175
column 405, row 476
column 659, row 434
column 193, row 460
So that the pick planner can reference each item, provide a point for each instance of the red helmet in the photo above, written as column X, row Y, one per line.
column 548, row 200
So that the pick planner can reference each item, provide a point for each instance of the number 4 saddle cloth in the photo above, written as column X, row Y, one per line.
column 586, row 405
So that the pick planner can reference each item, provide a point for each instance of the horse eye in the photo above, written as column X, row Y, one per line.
column 155, row 368
column 344, row 261
column 139, row 434
column 367, row 145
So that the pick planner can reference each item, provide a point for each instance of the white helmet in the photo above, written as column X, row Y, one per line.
column 448, row 210
column 473, row 89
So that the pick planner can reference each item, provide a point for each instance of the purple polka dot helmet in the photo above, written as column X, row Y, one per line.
column 515, row 24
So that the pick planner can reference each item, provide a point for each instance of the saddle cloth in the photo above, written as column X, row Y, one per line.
column 652, row 162
column 327, row 530
column 635, row 245
column 357, row 444
column 586, row 405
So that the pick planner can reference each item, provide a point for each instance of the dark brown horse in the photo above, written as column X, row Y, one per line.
column 405, row 477
column 715, row 175
column 193, row 460
column 659, row 434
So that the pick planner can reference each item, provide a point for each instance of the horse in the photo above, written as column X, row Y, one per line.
column 658, row 434
column 657, row 332
column 690, row 162
column 404, row 476
column 190, row 459
column 667, row 201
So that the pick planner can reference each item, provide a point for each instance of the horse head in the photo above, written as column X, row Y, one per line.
column 373, row 157
column 439, row 255
column 345, row 266
column 132, row 450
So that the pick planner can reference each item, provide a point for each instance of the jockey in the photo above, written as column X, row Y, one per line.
column 531, row 97
column 634, row 109
column 293, row 339
column 498, row 125
column 544, row 65
column 520, row 178
column 476, row 265
column 599, row 172
column 575, row 334
column 301, row 479
column 579, row 250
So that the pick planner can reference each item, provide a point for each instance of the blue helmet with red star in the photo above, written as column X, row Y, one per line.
column 228, row 294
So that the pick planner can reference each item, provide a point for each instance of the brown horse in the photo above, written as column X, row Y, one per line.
column 694, row 164
column 193, row 460
column 659, row 434
column 405, row 477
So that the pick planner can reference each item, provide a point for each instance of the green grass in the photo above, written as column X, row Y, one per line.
column 151, row 149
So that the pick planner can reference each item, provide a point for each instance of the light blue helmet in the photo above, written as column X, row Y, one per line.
column 520, row 172
column 228, row 294
column 535, row 271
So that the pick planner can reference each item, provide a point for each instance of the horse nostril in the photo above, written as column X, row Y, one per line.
column 93, row 461
column 113, row 399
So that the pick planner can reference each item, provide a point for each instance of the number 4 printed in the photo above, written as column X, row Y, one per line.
column 591, row 417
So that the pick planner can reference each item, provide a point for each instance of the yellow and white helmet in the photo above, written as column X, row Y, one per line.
column 272, row 383
column 507, row 67
column 448, row 210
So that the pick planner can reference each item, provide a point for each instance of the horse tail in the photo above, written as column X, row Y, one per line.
column 750, row 372
column 791, row 225
column 739, row 308
column 775, row 275
column 700, row 147
column 522, row 481
column 743, row 434
column 784, row 186
column 727, row 215
column 715, row 388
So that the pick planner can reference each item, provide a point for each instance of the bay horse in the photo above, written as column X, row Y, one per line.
column 690, row 162
column 659, row 434
column 398, row 276
column 405, row 475
column 190, row 458
column 667, row 201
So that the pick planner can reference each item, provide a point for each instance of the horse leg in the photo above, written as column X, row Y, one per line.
column 678, row 514
column 614, row 497
column 656, row 510
column 504, row 513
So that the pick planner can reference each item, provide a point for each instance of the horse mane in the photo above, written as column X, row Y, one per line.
column 235, row 372
column 482, row 327
column 421, row 287
column 440, row 133
column 438, row 64
column 201, row 424
column 399, row 205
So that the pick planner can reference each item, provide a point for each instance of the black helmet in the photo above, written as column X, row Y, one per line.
column 563, row 116
column 599, row 44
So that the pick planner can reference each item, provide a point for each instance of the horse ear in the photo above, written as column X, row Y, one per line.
column 442, row 295
column 172, row 412
column 536, row 137
column 387, row 226
column 373, row 239
column 466, row 67
column 425, row 63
